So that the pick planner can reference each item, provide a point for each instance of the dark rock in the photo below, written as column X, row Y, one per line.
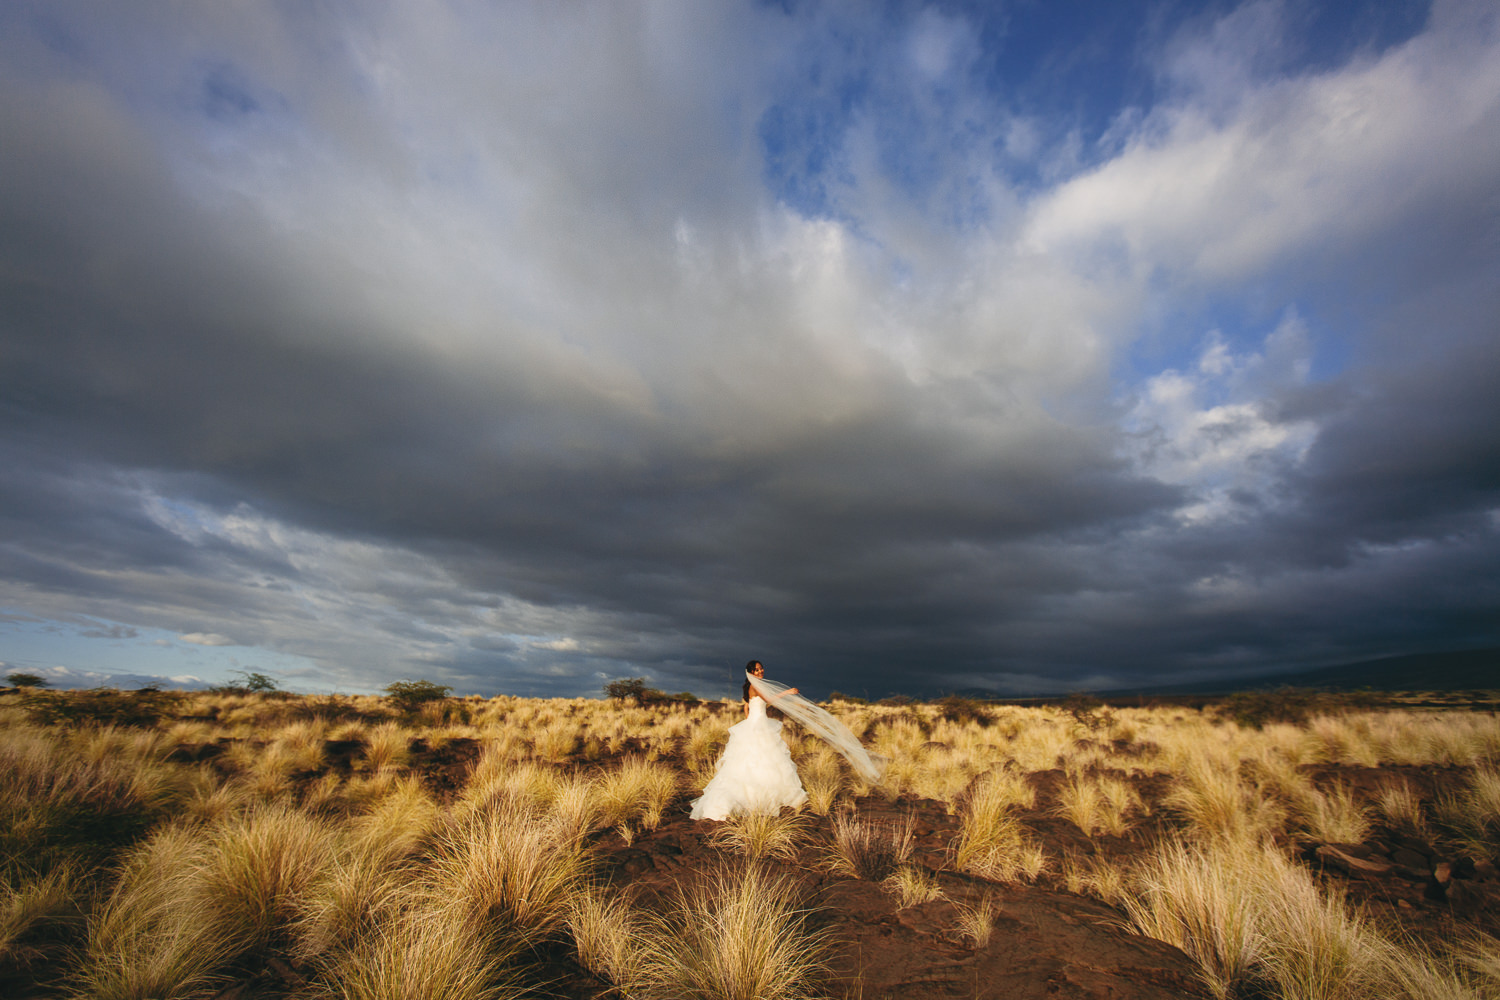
column 1413, row 844
column 1465, row 899
column 1409, row 858
column 1463, row 867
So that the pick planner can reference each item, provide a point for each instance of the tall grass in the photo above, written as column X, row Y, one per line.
column 738, row 934
column 607, row 938
column 421, row 955
column 154, row 935
column 1219, row 807
column 506, row 869
column 1401, row 809
column 992, row 843
column 760, row 835
column 1334, row 816
column 636, row 791
column 1255, row 921
column 865, row 849
column 29, row 904
column 1099, row 803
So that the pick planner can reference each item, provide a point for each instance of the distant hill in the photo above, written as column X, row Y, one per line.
column 1461, row 670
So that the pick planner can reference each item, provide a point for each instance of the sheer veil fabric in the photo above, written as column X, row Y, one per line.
column 869, row 766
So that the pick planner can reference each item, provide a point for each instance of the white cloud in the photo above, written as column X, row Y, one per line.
column 1318, row 160
column 207, row 639
column 565, row 645
column 1215, row 429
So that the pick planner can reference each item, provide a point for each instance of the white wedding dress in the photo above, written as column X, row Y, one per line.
column 755, row 774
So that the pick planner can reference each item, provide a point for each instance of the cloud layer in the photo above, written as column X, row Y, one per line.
column 523, row 347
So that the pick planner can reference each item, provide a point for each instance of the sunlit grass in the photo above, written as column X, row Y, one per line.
column 760, row 835
column 738, row 934
column 166, row 876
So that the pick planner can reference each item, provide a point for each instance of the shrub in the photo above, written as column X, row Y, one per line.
column 408, row 696
column 964, row 711
column 26, row 680
column 1256, row 709
column 1088, row 711
column 250, row 683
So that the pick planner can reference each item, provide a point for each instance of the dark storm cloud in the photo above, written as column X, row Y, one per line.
column 474, row 348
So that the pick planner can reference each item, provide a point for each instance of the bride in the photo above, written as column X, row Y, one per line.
column 756, row 773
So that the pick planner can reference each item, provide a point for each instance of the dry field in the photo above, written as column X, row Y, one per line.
column 245, row 846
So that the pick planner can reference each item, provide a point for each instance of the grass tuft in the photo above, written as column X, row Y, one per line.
column 759, row 835
column 868, row 850
column 912, row 886
column 739, row 934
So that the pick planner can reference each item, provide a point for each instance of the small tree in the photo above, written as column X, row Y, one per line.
column 1088, row 711
column 26, row 680
column 628, row 687
column 256, row 683
column 411, row 695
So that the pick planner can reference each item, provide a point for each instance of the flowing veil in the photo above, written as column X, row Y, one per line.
column 870, row 766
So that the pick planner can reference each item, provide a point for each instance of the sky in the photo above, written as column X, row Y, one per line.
column 910, row 348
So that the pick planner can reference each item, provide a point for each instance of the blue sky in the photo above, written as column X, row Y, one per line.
column 999, row 347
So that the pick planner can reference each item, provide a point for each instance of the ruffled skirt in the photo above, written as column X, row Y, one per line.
column 755, row 774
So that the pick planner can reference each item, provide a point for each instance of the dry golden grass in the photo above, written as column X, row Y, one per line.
column 506, row 867
column 1474, row 813
column 636, row 792
column 1099, row 803
column 866, row 849
column 738, row 934
column 977, row 922
column 761, row 835
column 1218, row 806
column 153, row 936
column 1254, row 920
column 387, row 746
column 357, row 893
column 1334, row 816
column 822, row 779
column 1401, row 809
column 607, row 935
column 992, row 842
column 372, row 885
column 912, row 886
column 1197, row 899
column 1093, row 877
column 255, row 870
column 32, row 902
column 422, row 954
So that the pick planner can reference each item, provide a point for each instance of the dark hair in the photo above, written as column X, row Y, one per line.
column 749, row 667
